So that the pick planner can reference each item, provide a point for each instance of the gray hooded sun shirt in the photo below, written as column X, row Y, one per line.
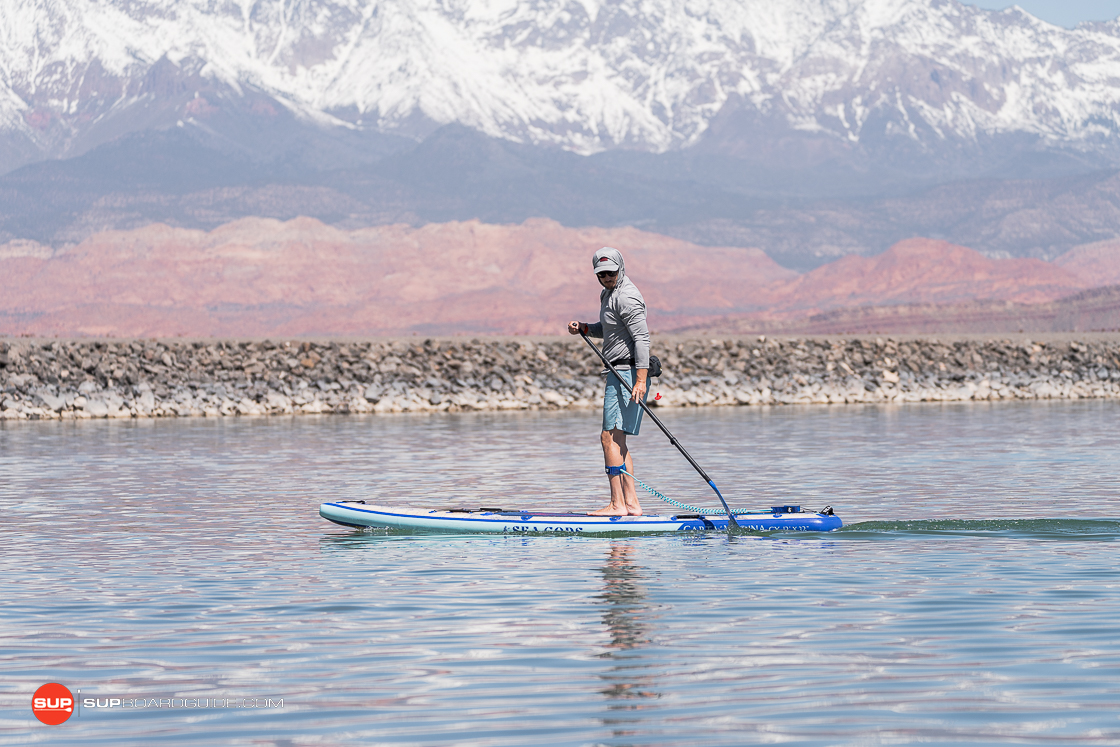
column 622, row 317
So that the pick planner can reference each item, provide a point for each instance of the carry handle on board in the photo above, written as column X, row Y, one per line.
column 731, row 523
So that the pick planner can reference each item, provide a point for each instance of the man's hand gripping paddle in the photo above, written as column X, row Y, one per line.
column 732, row 525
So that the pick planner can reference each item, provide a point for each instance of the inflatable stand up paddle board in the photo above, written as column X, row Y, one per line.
column 529, row 521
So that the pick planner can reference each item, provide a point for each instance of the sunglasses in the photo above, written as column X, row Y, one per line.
column 607, row 273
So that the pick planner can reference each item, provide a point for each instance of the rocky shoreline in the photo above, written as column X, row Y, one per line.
column 97, row 378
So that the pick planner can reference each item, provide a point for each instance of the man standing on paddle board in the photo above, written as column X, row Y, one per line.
column 622, row 325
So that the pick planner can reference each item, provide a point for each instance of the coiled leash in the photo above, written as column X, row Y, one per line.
column 621, row 470
column 732, row 524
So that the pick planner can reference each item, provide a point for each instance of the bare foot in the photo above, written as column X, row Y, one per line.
column 634, row 511
column 610, row 510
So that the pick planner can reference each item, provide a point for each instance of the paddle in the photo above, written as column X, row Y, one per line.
column 731, row 523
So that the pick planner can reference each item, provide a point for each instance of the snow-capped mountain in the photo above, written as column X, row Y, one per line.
column 585, row 75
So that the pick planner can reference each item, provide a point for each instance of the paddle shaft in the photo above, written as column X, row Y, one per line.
column 672, row 439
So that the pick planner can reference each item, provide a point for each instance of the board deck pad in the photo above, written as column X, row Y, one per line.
column 498, row 520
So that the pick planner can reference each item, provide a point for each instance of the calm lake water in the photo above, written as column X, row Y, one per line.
column 974, row 597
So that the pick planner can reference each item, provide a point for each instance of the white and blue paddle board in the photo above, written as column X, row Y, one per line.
column 530, row 521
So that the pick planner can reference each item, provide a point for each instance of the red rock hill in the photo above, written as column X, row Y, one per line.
column 1097, row 264
column 261, row 277
column 923, row 271
column 265, row 277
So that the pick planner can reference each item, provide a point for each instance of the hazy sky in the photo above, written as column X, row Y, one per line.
column 1061, row 12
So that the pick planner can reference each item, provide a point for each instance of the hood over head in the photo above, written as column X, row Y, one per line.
column 608, row 258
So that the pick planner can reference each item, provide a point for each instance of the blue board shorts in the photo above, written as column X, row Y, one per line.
column 618, row 409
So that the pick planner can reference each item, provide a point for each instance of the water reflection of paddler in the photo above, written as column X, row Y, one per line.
column 622, row 326
column 624, row 596
column 625, row 601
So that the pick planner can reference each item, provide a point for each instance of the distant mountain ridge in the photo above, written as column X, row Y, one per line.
column 811, row 129
column 301, row 277
column 264, row 277
column 897, row 77
column 457, row 174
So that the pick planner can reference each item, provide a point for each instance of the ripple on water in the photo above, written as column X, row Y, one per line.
column 972, row 597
